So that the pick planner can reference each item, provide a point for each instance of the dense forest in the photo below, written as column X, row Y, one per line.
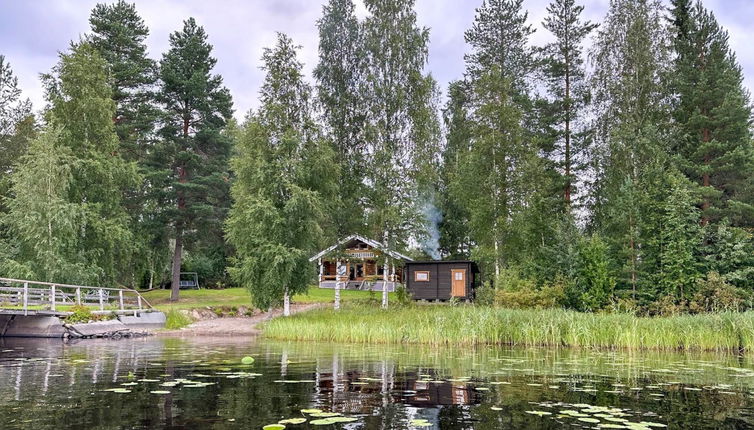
column 611, row 169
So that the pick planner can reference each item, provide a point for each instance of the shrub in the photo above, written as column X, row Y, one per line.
column 592, row 289
column 548, row 296
column 402, row 296
column 176, row 319
column 714, row 294
column 485, row 295
column 82, row 314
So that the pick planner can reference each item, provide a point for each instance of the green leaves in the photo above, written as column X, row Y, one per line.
column 275, row 222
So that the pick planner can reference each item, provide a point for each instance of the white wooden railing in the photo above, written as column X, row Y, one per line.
column 23, row 294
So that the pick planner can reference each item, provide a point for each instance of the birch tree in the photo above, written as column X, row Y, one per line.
column 283, row 178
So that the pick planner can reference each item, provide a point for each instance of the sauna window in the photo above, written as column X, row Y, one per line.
column 421, row 276
column 459, row 276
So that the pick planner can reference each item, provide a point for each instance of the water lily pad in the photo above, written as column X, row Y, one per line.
column 247, row 360
column 273, row 427
column 325, row 414
column 311, row 411
column 293, row 421
column 589, row 420
column 539, row 413
column 160, row 392
column 343, row 419
column 322, row 422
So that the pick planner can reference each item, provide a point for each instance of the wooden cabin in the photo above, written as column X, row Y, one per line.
column 359, row 263
column 441, row 280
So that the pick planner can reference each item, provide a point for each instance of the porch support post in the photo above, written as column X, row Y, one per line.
column 337, row 284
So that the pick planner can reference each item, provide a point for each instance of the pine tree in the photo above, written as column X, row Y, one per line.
column 713, row 116
column 193, row 154
column 499, row 38
column 340, row 76
column 283, row 177
column 565, row 74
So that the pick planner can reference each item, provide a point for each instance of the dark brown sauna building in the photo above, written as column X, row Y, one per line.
column 441, row 280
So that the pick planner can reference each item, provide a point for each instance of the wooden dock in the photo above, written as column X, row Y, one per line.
column 38, row 309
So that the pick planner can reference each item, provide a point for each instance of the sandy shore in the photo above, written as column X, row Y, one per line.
column 234, row 326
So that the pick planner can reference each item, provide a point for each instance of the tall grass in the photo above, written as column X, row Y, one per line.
column 176, row 319
column 470, row 325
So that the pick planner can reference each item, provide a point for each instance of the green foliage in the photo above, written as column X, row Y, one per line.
column 403, row 296
column 82, row 109
column 282, row 182
column 593, row 284
column 401, row 127
column 119, row 34
column 43, row 224
column 339, row 75
column 81, row 314
column 176, row 319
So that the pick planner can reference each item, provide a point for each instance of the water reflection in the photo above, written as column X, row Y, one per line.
column 201, row 383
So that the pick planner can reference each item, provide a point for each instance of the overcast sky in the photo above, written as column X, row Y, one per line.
column 33, row 32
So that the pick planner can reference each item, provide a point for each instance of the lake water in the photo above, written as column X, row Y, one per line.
column 202, row 384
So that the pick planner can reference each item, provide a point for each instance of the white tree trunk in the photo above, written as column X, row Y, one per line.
column 385, row 276
column 337, row 286
column 321, row 272
column 286, row 304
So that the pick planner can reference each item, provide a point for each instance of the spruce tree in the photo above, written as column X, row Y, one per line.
column 340, row 75
column 283, row 179
column 193, row 153
column 569, row 94
column 713, row 116
column 455, row 238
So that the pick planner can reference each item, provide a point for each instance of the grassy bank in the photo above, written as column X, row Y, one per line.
column 468, row 325
column 190, row 299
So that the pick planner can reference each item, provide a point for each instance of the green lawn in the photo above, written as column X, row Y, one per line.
column 189, row 299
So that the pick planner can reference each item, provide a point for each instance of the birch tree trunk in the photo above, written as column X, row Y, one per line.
column 286, row 304
column 384, row 285
column 337, row 285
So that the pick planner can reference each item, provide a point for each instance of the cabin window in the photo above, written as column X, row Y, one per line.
column 421, row 276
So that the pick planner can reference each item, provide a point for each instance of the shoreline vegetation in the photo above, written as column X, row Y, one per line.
column 477, row 325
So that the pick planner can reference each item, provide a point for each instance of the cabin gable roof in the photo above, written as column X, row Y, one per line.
column 370, row 242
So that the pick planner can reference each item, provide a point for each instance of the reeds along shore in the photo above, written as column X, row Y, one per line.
column 470, row 325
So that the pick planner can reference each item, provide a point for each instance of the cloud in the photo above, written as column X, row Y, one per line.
column 33, row 32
